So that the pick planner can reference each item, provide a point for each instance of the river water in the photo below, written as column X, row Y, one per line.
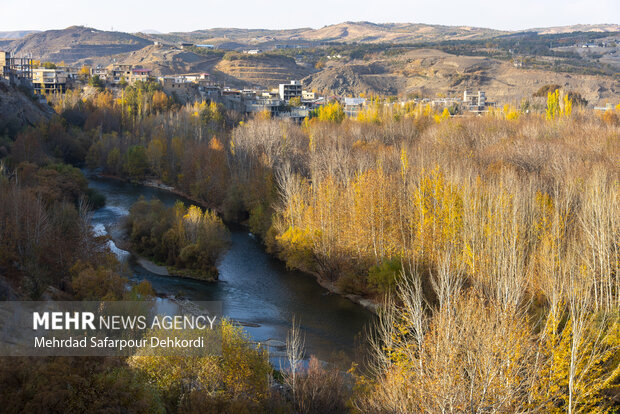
column 254, row 287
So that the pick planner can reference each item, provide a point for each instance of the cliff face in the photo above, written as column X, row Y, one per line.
column 17, row 110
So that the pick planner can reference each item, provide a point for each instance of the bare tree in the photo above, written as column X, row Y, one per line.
column 295, row 351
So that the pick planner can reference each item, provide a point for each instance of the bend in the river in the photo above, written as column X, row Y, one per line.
column 254, row 287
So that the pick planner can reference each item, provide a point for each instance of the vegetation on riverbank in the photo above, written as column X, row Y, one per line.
column 186, row 239
column 494, row 241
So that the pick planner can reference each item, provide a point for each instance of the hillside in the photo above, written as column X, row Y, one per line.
column 362, row 32
column 261, row 70
column 224, row 35
column 428, row 72
column 18, row 110
column 366, row 32
column 231, row 69
column 76, row 42
column 417, row 71
column 598, row 28
column 161, row 60
column 18, row 34
column 361, row 57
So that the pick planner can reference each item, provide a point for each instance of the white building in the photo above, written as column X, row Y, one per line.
column 289, row 90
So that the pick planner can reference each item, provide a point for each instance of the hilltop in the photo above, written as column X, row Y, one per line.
column 76, row 42
column 366, row 32
column 577, row 28
column 363, row 32
column 18, row 34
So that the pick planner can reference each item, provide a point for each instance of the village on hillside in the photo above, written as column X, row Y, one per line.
column 286, row 100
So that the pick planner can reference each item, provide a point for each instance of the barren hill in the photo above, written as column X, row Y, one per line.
column 578, row 28
column 76, row 42
column 343, row 32
column 394, row 33
column 232, row 69
column 261, row 70
column 18, row 34
column 363, row 32
column 355, row 57
column 428, row 72
column 161, row 60
column 223, row 35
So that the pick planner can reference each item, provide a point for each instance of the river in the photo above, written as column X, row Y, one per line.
column 254, row 287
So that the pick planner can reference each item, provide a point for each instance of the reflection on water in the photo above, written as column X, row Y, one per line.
column 254, row 287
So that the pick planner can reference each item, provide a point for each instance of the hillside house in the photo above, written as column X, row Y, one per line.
column 99, row 71
column 118, row 72
column 49, row 80
column 475, row 102
column 139, row 74
column 308, row 96
column 273, row 106
column 352, row 106
column 290, row 90
column 16, row 70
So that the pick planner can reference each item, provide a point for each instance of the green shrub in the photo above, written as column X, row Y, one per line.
column 384, row 276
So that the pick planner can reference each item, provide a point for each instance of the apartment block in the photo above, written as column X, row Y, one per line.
column 15, row 70
column 290, row 90
column 49, row 80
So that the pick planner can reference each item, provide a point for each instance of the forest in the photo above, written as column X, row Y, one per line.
column 490, row 243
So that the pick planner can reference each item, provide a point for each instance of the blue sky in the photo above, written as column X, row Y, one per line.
column 166, row 15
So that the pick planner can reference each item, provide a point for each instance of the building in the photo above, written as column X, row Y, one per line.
column 608, row 107
column 49, row 80
column 296, row 114
column 273, row 106
column 99, row 71
column 253, row 51
column 73, row 73
column 118, row 72
column 200, row 78
column 176, row 83
column 139, row 75
column 308, row 96
column 15, row 70
column 352, row 106
column 290, row 90
column 180, row 86
column 191, row 86
column 475, row 102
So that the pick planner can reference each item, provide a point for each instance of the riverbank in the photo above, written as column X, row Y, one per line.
column 119, row 238
column 367, row 303
column 360, row 300
column 159, row 270
column 152, row 183
column 256, row 290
